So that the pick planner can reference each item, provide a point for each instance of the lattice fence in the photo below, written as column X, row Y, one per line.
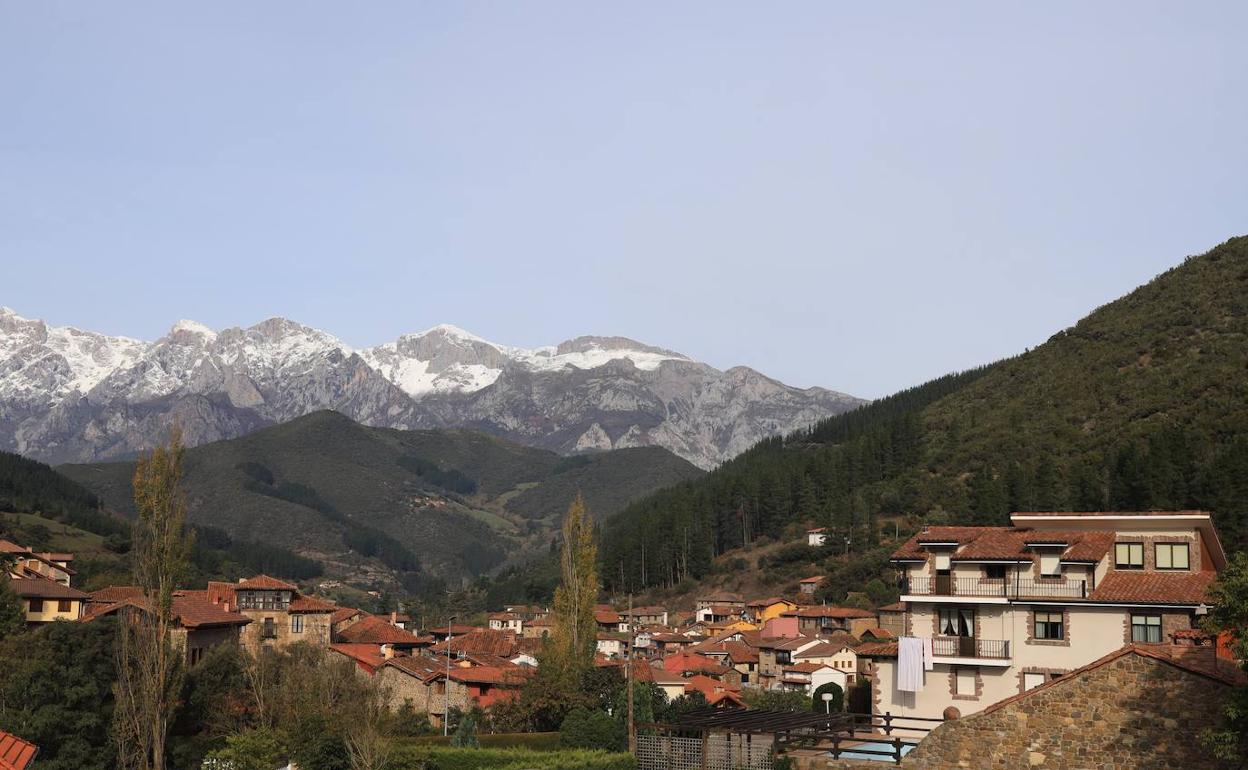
column 723, row 752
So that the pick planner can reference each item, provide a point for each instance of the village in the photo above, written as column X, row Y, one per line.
column 990, row 620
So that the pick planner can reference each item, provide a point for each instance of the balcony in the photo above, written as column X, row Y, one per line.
column 990, row 588
column 970, row 647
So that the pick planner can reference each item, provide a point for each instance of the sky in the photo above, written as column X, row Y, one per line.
column 860, row 196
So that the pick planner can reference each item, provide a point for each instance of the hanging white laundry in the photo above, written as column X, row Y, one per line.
column 909, row 664
column 928, row 663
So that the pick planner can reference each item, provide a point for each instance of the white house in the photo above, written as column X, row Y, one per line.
column 816, row 537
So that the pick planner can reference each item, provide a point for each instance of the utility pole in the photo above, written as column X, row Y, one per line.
column 446, row 689
column 632, row 730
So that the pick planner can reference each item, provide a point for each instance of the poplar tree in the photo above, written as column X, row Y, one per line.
column 575, row 630
column 149, row 665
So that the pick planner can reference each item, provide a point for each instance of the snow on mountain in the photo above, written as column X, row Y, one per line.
column 71, row 395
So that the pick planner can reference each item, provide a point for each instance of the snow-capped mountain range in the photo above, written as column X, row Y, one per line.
column 69, row 395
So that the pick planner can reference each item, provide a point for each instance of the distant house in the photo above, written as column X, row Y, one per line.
column 45, row 600
column 507, row 621
column 15, row 753
column 608, row 620
column 816, row 537
column 199, row 625
column 809, row 585
column 26, row 563
column 646, row 616
column 423, row 682
column 611, row 645
column 722, row 599
column 826, row 620
column 893, row 618
column 763, row 610
column 279, row 613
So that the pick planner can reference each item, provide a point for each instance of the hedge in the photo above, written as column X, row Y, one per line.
column 534, row 741
column 446, row 758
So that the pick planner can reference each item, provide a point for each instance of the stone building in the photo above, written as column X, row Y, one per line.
column 1134, row 709
column 280, row 615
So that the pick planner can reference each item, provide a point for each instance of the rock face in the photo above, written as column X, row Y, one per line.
column 68, row 395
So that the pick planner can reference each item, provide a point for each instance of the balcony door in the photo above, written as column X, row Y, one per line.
column 958, row 622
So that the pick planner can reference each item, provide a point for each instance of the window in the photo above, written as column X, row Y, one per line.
column 1032, row 680
column 942, row 562
column 270, row 632
column 1051, row 564
column 957, row 621
column 994, row 571
column 196, row 654
column 1146, row 629
column 1173, row 556
column 296, row 624
column 1129, row 555
column 1049, row 625
column 36, row 605
column 964, row 681
column 63, row 605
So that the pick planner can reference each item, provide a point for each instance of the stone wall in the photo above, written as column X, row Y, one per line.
column 1131, row 712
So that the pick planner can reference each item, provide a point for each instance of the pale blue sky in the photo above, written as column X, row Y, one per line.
column 854, row 195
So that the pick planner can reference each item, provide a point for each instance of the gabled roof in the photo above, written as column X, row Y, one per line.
column 367, row 655
column 877, row 649
column 190, row 609
column 894, row 607
column 814, row 579
column 652, row 609
column 310, row 604
column 481, row 641
column 264, row 583
column 375, row 630
column 606, row 616
column 721, row 597
column 110, row 594
column 422, row 667
column 344, row 613
column 828, row 649
column 15, row 753
column 770, row 601
column 42, row 588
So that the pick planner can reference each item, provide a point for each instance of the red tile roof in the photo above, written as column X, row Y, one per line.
column 721, row 597
column 375, row 630
column 111, row 594
column 191, row 609
column 42, row 588
column 15, row 753
column 366, row 656
column 894, row 607
column 343, row 613
column 265, row 583
column 1154, row 587
column 422, row 667
column 311, row 604
column 976, row 543
column 877, row 649
column 606, row 616
column 481, row 641
column 815, row 579
column 683, row 662
column 1109, row 513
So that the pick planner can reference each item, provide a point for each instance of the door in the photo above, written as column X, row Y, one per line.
column 959, row 622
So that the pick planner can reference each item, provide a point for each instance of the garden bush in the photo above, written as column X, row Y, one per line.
column 446, row 758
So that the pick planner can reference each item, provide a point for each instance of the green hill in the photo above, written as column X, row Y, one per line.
column 371, row 503
column 1142, row 404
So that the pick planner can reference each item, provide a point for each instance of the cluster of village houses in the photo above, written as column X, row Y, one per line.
column 985, row 613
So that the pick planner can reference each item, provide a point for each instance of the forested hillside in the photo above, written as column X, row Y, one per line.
column 372, row 505
column 1142, row 404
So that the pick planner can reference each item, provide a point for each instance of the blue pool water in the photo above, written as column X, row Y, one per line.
column 873, row 746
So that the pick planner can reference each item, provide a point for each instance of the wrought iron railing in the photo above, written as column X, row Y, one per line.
column 970, row 647
column 1008, row 588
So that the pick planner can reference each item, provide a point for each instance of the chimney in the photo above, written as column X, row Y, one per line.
column 394, row 617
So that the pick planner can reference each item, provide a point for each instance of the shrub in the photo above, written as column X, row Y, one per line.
column 440, row 758
column 258, row 749
column 838, row 698
column 585, row 729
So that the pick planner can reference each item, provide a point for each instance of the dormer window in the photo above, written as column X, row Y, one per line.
column 1173, row 556
column 1051, row 564
column 1129, row 556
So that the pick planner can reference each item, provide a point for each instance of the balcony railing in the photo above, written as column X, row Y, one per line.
column 1010, row 588
column 970, row 647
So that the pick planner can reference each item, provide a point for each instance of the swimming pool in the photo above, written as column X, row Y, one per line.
column 874, row 746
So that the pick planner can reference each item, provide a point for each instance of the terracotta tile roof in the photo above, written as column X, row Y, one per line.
column 894, row 607
column 510, row 676
column 42, row 588
column 606, row 616
column 879, row 633
column 809, row 667
column 828, row 612
column 193, row 610
column 8, row 546
column 877, row 649
column 265, row 583
column 15, row 753
column 504, row 616
column 422, row 667
column 683, row 662
column 816, row 530
column 220, row 592
column 653, row 609
column 976, row 543
column 375, row 630
column 815, row 579
column 310, row 604
column 367, row 655
column 724, row 609
column 1154, row 587
column 343, row 613
column 481, row 641
column 826, row 649
column 740, row 652
column 768, row 602
column 713, row 690
column 111, row 594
